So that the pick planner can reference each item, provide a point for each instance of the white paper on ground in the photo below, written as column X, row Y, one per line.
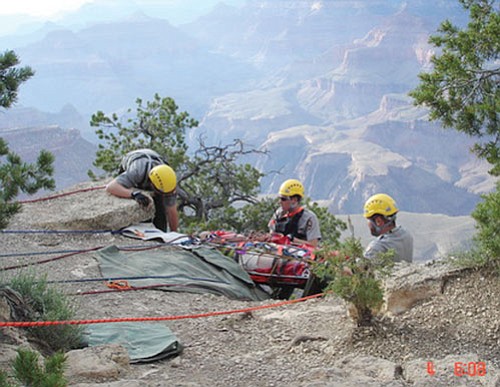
column 147, row 232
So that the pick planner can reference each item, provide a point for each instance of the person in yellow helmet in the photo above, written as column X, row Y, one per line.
column 380, row 210
column 299, row 224
column 144, row 169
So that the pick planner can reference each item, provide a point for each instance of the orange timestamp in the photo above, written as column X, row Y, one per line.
column 472, row 368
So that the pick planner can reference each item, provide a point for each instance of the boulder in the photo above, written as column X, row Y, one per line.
column 411, row 283
column 86, row 206
column 97, row 364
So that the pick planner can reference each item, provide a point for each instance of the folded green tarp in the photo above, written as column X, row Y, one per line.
column 200, row 270
column 145, row 342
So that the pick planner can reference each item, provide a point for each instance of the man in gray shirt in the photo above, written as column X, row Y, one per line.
column 380, row 210
column 145, row 169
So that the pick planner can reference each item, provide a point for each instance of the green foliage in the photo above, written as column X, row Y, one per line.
column 486, row 250
column 473, row 258
column 243, row 219
column 48, row 304
column 16, row 175
column 11, row 77
column 463, row 91
column 487, row 216
column 156, row 125
column 27, row 370
column 330, row 226
column 212, row 181
column 209, row 182
column 353, row 277
column 255, row 217
column 4, row 379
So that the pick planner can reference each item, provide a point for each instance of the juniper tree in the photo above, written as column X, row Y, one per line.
column 462, row 90
column 15, row 175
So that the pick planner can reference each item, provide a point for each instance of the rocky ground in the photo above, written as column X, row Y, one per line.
column 311, row 343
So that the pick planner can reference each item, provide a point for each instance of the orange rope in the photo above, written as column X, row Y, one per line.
column 25, row 324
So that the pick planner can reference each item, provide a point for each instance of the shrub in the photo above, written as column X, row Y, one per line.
column 353, row 277
column 27, row 370
column 48, row 304
column 487, row 216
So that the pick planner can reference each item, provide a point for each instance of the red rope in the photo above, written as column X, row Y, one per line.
column 92, row 292
column 50, row 259
column 61, row 195
column 75, row 253
column 26, row 324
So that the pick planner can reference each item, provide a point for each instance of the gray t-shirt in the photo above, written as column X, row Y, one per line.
column 398, row 239
column 136, row 166
column 308, row 224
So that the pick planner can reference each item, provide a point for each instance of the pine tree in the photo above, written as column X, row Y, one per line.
column 16, row 175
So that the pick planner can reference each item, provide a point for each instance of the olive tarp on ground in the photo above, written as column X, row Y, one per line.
column 145, row 342
column 197, row 270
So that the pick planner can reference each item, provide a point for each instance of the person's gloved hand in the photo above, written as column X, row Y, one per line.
column 140, row 198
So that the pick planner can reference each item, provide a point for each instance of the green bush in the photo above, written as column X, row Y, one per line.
column 47, row 303
column 487, row 216
column 485, row 252
column 353, row 277
column 27, row 370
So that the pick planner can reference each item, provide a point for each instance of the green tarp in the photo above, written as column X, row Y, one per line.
column 199, row 270
column 145, row 342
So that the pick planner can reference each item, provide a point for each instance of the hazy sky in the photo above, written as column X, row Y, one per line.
column 48, row 8
column 38, row 7
column 17, row 16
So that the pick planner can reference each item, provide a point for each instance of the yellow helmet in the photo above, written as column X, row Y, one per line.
column 381, row 204
column 292, row 187
column 163, row 178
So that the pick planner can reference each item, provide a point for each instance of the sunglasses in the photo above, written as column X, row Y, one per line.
column 284, row 199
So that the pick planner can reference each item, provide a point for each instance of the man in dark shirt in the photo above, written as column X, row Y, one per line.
column 145, row 169
column 298, row 223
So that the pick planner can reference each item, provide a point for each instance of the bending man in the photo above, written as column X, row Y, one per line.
column 144, row 169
